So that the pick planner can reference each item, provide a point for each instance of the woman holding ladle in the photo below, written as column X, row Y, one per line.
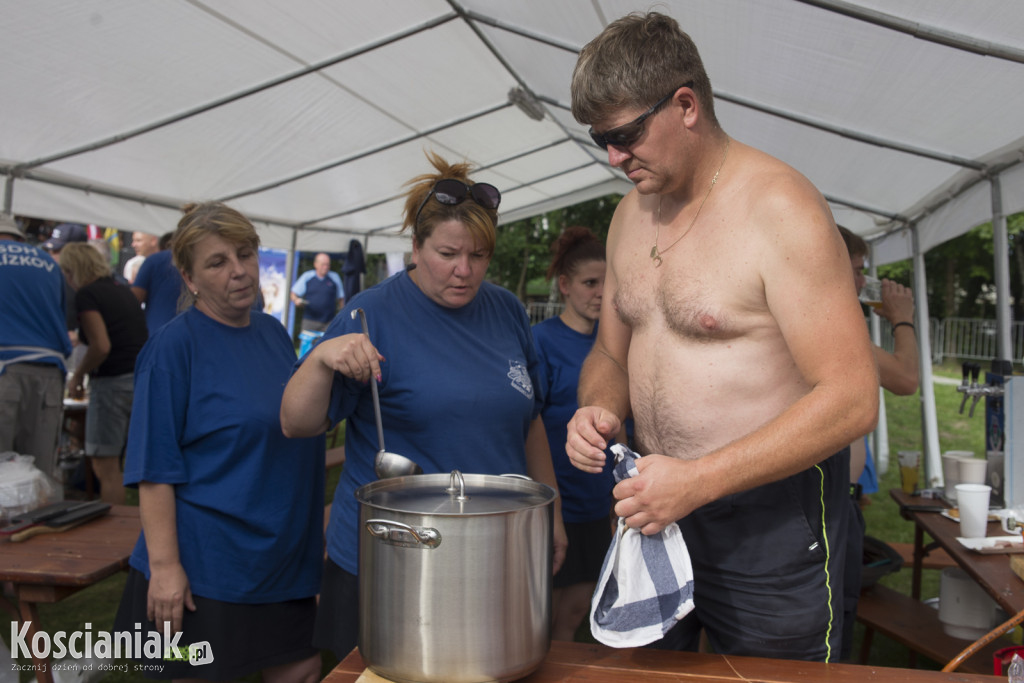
column 454, row 364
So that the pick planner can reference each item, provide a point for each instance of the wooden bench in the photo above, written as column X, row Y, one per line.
column 916, row 625
column 936, row 558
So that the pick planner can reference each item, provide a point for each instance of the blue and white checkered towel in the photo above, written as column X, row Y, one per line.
column 646, row 582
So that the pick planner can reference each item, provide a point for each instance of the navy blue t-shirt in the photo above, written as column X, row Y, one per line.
column 162, row 283
column 586, row 497
column 459, row 390
column 206, row 418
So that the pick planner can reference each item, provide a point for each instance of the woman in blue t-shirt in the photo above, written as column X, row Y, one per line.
column 232, row 510
column 456, row 368
column 578, row 264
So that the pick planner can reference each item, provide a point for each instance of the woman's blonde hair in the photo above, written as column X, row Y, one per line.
column 83, row 264
column 201, row 220
column 480, row 221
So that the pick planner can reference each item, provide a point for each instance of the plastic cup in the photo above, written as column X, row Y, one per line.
column 973, row 504
column 950, row 474
column 973, row 470
column 871, row 293
column 909, row 462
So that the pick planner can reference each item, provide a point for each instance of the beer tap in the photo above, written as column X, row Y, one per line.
column 976, row 390
column 965, row 387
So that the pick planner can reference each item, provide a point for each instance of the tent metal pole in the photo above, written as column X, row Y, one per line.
column 289, row 276
column 921, row 31
column 929, row 421
column 880, row 437
column 9, row 194
column 1001, row 249
column 366, row 251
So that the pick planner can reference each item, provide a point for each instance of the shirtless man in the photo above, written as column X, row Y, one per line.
column 735, row 340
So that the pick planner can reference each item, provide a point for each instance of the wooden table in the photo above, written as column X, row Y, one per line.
column 992, row 572
column 49, row 567
column 581, row 662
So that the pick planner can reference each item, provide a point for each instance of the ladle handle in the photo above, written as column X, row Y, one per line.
column 373, row 384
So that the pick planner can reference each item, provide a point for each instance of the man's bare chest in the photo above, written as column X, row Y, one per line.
column 697, row 296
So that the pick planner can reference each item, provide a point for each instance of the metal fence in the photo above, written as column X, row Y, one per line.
column 972, row 339
column 964, row 338
column 540, row 311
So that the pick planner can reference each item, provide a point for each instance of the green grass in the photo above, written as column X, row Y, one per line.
column 98, row 603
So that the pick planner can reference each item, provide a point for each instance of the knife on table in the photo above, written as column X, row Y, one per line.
column 78, row 514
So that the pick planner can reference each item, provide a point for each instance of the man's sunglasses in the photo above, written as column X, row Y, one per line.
column 451, row 192
column 628, row 133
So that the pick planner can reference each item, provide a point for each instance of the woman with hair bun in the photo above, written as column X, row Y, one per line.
column 232, row 510
column 455, row 366
column 563, row 342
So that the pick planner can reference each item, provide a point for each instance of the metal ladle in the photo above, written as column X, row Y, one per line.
column 386, row 464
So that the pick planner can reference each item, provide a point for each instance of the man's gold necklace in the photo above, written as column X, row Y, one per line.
column 655, row 252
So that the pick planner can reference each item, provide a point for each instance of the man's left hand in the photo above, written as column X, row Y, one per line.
column 665, row 490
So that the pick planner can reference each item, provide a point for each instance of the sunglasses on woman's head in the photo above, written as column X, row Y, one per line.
column 450, row 192
column 628, row 133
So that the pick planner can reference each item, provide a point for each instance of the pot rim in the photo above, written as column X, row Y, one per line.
column 513, row 484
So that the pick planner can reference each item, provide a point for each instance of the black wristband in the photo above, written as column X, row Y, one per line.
column 910, row 325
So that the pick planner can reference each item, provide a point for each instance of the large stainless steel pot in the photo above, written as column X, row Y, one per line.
column 455, row 577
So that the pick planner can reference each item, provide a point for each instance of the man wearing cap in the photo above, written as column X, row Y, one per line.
column 33, row 345
column 62, row 234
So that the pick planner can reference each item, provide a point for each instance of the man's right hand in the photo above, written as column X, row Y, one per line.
column 589, row 431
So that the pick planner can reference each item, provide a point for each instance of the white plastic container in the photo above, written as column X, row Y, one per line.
column 965, row 609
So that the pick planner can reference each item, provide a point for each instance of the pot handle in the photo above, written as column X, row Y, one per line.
column 396, row 533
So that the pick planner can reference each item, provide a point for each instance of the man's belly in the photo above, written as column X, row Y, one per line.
column 689, row 399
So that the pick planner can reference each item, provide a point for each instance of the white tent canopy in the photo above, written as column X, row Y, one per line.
column 309, row 115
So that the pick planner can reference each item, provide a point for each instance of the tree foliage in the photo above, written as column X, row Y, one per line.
column 523, row 251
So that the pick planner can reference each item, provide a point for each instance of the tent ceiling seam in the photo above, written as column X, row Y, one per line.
column 471, row 18
column 228, row 99
column 298, row 60
column 373, row 150
column 931, row 34
column 521, row 32
column 364, row 207
column 850, row 133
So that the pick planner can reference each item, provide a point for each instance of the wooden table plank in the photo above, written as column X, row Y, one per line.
column 78, row 557
column 587, row 663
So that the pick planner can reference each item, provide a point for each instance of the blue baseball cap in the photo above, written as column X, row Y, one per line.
column 64, row 233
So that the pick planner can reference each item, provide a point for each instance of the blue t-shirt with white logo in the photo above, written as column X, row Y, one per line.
column 32, row 305
column 459, row 390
